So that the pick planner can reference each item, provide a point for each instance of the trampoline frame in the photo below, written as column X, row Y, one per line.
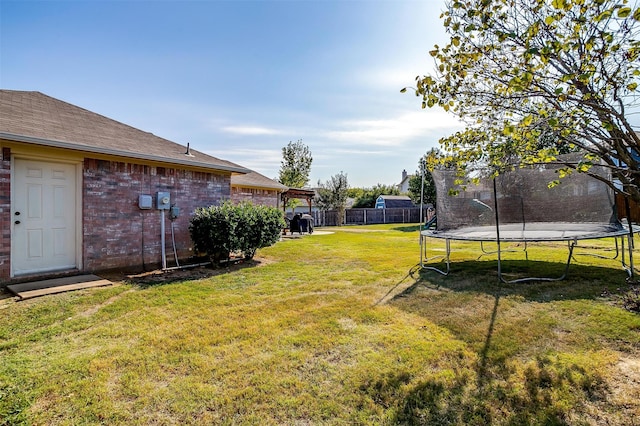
column 620, row 234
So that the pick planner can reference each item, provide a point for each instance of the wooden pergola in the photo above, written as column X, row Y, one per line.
column 299, row 194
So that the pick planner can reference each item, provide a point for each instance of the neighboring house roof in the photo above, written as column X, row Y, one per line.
column 256, row 180
column 405, row 179
column 35, row 118
column 349, row 203
column 403, row 186
column 395, row 197
column 395, row 201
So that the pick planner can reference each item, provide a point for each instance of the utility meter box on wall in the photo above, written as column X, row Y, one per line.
column 174, row 212
column 163, row 201
column 145, row 202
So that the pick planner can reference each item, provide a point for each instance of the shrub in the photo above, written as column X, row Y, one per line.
column 221, row 230
column 211, row 229
column 258, row 227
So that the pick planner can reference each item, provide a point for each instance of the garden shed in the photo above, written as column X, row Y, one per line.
column 393, row 202
column 84, row 193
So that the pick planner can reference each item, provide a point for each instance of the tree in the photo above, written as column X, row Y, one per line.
column 356, row 193
column 516, row 71
column 368, row 197
column 295, row 165
column 333, row 194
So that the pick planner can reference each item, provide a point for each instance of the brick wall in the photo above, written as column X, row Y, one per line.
column 263, row 197
column 118, row 234
column 5, row 213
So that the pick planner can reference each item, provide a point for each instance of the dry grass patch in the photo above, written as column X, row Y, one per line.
column 341, row 329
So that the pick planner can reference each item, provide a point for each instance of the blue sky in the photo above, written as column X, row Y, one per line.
column 240, row 79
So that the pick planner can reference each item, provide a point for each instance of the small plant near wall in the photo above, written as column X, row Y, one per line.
column 222, row 230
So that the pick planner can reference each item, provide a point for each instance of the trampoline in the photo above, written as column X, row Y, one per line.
column 518, row 206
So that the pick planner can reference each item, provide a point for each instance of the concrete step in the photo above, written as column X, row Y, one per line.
column 32, row 289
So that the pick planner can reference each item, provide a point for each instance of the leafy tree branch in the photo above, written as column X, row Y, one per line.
column 518, row 72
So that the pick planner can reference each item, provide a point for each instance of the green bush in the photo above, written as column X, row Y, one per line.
column 221, row 230
column 259, row 226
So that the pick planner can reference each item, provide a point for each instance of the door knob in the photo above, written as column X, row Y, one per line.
column 17, row 222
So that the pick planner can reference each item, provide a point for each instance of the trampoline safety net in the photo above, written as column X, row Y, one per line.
column 578, row 204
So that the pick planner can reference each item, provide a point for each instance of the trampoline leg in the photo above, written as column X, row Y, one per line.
column 628, row 268
column 630, row 237
column 571, row 245
column 615, row 239
column 424, row 258
column 486, row 252
column 500, row 262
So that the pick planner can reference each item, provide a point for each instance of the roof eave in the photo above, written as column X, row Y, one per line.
column 119, row 153
column 251, row 186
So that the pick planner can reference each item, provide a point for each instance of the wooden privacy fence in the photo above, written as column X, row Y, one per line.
column 369, row 216
column 634, row 208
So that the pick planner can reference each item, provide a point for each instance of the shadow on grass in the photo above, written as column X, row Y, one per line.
column 407, row 228
column 413, row 273
column 171, row 276
column 456, row 401
column 495, row 388
column 582, row 281
column 483, row 393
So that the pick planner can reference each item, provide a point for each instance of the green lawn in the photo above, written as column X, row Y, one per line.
column 332, row 329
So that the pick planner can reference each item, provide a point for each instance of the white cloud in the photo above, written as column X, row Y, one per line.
column 394, row 132
column 250, row 130
column 360, row 152
column 264, row 161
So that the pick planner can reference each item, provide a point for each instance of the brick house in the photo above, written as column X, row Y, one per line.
column 257, row 189
column 83, row 193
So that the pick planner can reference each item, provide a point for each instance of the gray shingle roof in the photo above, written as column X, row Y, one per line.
column 396, row 204
column 397, row 201
column 35, row 118
column 256, row 180
column 395, row 197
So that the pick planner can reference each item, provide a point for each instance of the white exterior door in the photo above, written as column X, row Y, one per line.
column 43, row 215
